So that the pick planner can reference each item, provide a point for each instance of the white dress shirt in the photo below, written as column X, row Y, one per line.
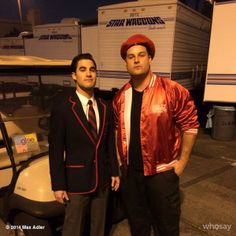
column 84, row 101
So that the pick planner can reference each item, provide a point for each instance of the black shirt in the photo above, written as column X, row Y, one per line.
column 135, row 154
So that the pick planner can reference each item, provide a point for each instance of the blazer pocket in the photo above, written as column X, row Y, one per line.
column 80, row 179
column 75, row 166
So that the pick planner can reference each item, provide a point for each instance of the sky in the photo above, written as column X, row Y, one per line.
column 54, row 10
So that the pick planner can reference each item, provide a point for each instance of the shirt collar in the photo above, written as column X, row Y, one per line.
column 84, row 100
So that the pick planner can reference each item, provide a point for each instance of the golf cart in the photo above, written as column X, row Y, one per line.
column 27, row 202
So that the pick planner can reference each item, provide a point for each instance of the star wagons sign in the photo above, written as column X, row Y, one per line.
column 136, row 22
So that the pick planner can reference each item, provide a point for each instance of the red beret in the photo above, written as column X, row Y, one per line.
column 137, row 39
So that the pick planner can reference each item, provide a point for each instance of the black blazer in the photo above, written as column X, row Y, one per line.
column 78, row 164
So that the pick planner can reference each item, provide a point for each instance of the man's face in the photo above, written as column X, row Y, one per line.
column 137, row 60
column 85, row 75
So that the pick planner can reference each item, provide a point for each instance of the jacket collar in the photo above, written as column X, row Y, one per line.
column 151, row 84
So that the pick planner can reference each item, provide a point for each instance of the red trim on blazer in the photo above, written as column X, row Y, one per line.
column 81, row 123
column 75, row 166
column 99, row 140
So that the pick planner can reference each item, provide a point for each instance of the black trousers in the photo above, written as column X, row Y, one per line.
column 152, row 201
column 80, row 207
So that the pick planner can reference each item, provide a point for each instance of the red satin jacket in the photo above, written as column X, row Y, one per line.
column 167, row 111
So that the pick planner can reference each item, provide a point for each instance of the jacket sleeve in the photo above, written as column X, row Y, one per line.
column 184, row 110
column 56, row 149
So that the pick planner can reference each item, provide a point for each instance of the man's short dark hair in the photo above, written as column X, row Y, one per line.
column 82, row 56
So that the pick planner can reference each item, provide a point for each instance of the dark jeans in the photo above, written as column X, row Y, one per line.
column 152, row 200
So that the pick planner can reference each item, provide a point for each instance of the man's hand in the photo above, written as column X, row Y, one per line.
column 61, row 195
column 115, row 183
column 179, row 167
column 188, row 141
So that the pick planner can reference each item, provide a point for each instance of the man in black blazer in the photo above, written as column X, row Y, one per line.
column 82, row 154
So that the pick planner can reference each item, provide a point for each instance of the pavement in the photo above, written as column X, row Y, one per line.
column 208, row 191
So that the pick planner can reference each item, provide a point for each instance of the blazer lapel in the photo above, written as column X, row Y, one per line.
column 78, row 111
column 102, row 116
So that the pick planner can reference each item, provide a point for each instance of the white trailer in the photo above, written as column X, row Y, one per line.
column 11, row 46
column 180, row 34
column 221, row 70
column 89, row 40
column 61, row 41
column 55, row 41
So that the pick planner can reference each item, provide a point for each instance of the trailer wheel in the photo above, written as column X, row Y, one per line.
column 32, row 226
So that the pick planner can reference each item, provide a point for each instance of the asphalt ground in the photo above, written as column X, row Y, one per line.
column 208, row 190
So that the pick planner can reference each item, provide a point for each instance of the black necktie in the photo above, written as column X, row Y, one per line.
column 92, row 120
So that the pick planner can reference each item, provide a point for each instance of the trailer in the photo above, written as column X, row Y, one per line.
column 55, row 41
column 11, row 46
column 61, row 41
column 181, row 36
column 89, row 40
column 220, row 83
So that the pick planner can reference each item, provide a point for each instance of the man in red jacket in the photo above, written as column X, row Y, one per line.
column 156, row 127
